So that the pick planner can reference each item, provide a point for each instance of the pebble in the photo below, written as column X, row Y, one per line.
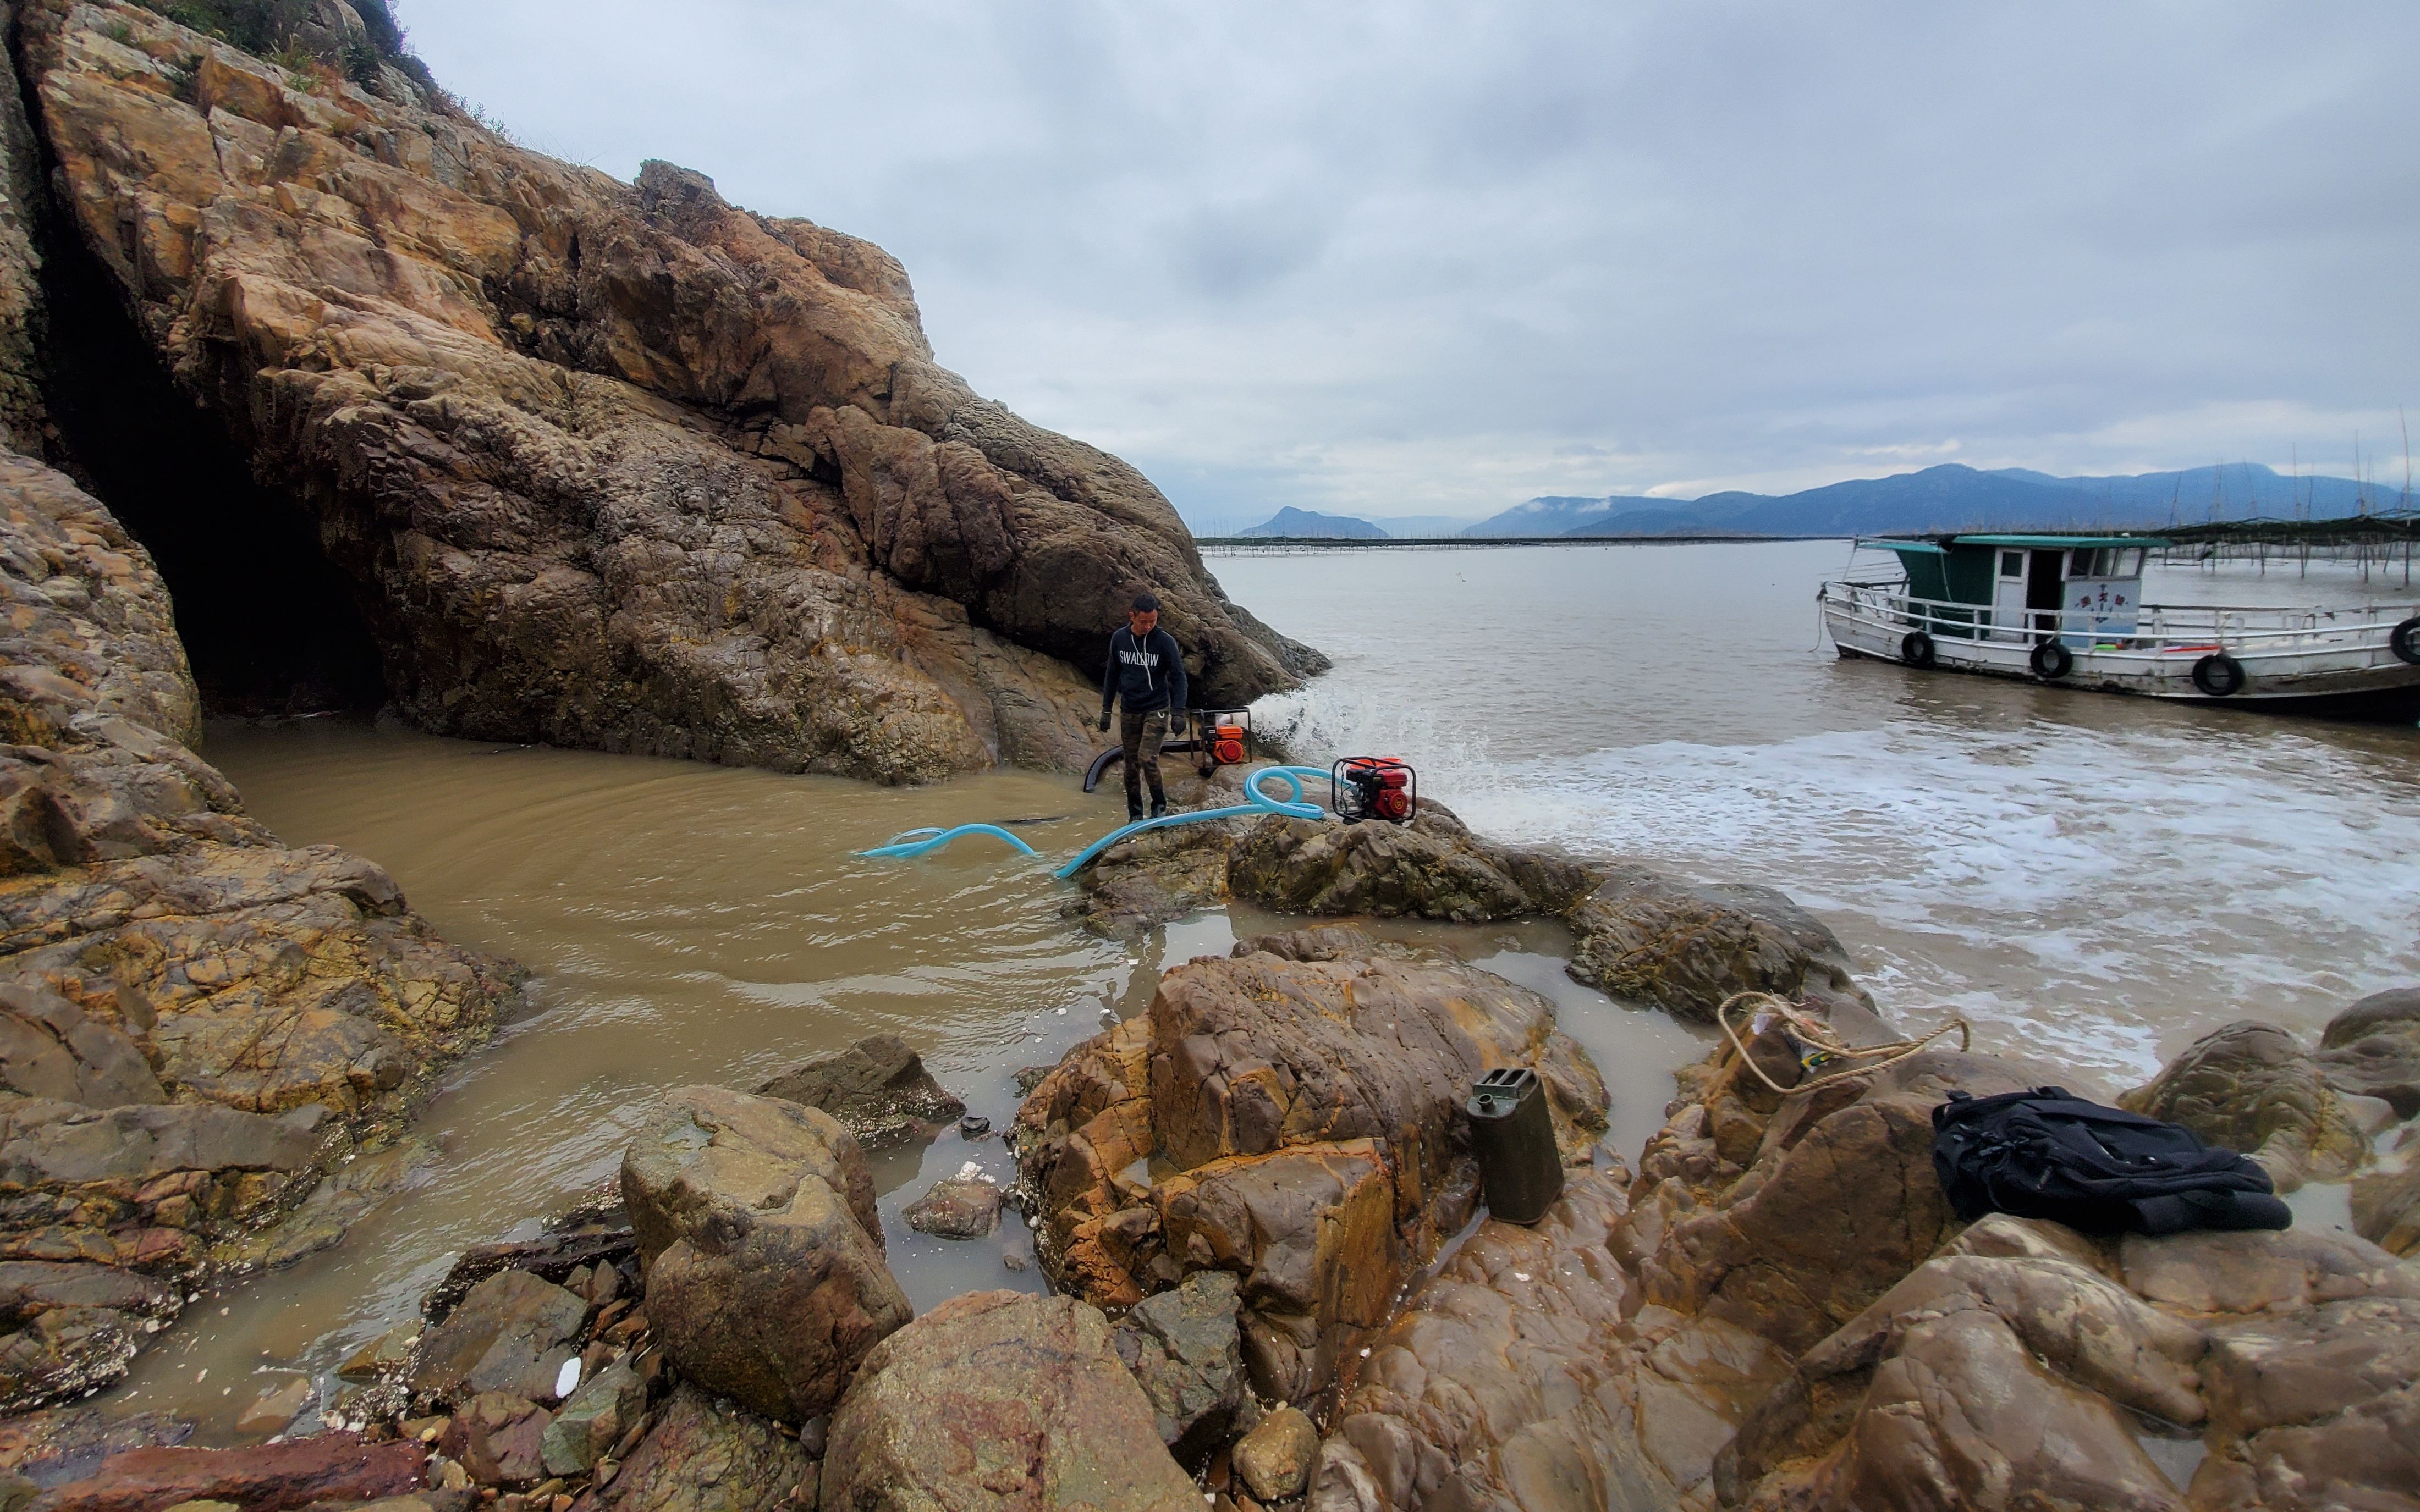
column 566, row 1380
column 973, row 1126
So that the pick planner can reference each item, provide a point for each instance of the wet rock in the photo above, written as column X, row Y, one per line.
column 2386, row 1210
column 50, row 1049
column 2372, row 1049
column 1183, row 1348
column 705, row 1455
column 341, row 1199
column 2317, row 1406
column 511, row 1334
column 1000, row 1400
column 1156, row 878
column 1649, row 938
column 385, row 1356
column 766, row 1278
column 557, row 1257
column 708, row 1153
column 276, row 1408
column 498, row 1437
column 877, row 1089
column 1274, row 1460
column 1432, row 868
column 1979, row 1381
column 2203, row 1274
column 326, row 1467
column 592, row 1419
column 2251, row 1088
column 965, row 1206
column 610, row 465
column 72, row 1326
column 1296, row 1122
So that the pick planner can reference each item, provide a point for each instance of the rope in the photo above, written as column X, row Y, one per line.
column 1827, row 1045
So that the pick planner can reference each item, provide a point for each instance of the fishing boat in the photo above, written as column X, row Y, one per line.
column 2069, row 609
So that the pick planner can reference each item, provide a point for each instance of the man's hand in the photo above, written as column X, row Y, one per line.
column 1105, row 718
column 1176, row 725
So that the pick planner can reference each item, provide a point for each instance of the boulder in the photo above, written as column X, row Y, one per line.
column 1274, row 1460
column 1156, row 878
column 511, row 1336
column 965, row 1206
column 2372, row 1049
column 1000, row 1400
column 1183, row 1347
column 1432, row 868
column 603, row 464
column 705, row 1456
column 1649, row 938
column 326, row 1467
column 707, row 1155
column 2317, row 1406
column 2386, row 1210
column 877, row 1089
column 766, row 1278
column 2251, row 1088
column 1302, row 1120
column 70, row 1327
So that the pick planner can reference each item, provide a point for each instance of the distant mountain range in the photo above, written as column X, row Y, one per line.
column 1309, row 524
column 1954, row 498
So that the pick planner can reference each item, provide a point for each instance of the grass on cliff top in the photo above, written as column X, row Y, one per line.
column 268, row 28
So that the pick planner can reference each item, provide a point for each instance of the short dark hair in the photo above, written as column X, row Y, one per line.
column 1145, row 604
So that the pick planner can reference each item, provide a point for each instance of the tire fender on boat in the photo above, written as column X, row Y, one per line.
column 2404, row 640
column 1916, row 649
column 2052, row 661
column 2219, row 675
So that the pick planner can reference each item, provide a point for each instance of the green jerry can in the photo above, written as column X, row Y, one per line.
column 1520, row 1171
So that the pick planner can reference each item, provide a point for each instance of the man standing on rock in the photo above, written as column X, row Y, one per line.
column 1146, row 670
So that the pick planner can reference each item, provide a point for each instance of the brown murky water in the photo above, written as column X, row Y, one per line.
column 690, row 923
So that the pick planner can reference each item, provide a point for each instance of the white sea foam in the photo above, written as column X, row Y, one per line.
column 2088, row 893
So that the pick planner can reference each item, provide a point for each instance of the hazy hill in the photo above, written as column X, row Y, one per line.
column 1954, row 497
column 1310, row 524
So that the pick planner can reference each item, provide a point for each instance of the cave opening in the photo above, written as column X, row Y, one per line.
column 270, row 626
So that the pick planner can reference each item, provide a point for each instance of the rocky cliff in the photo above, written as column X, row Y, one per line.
column 601, row 464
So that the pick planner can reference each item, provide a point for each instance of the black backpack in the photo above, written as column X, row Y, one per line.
column 2045, row 1154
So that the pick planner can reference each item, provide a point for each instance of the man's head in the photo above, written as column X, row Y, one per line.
column 1142, row 616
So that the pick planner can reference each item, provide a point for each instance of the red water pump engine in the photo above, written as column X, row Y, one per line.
column 1374, row 787
column 1223, row 736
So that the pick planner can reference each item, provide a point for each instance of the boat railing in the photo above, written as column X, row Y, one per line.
column 2156, row 626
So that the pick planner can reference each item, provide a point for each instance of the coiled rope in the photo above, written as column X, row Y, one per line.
column 1814, row 1033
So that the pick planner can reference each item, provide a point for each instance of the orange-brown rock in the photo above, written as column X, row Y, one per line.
column 1295, row 1121
column 607, row 465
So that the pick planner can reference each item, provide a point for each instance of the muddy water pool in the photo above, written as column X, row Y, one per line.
column 687, row 923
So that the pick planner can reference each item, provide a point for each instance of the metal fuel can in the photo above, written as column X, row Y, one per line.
column 1520, row 1171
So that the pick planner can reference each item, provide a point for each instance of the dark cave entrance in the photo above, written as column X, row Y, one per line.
column 269, row 624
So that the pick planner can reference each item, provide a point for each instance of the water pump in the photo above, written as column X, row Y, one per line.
column 1374, row 787
column 1223, row 737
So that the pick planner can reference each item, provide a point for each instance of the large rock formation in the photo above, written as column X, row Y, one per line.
column 764, row 1254
column 1290, row 1114
column 605, row 465
column 194, row 1019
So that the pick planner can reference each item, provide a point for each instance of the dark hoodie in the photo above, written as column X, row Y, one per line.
column 1147, row 675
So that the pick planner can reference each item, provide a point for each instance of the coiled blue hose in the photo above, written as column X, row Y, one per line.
column 914, row 843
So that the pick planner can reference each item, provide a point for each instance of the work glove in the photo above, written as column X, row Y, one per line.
column 1176, row 725
column 1105, row 718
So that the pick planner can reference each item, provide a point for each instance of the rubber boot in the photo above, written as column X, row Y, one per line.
column 1158, row 805
column 1134, row 812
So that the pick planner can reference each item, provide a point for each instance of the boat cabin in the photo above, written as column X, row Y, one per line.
column 2082, row 588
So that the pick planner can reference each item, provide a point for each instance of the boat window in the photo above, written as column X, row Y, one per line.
column 2132, row 566
column 2013, row 564
column 2083, row 568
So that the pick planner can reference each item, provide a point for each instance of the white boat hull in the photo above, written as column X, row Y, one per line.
column 2329, row 660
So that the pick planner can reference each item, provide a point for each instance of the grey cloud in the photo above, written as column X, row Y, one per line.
column 1421, row 257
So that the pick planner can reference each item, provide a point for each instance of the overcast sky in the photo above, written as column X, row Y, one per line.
column 1425, row 258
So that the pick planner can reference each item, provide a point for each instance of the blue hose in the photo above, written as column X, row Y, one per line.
column 1293, row 808
column 914, row 843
